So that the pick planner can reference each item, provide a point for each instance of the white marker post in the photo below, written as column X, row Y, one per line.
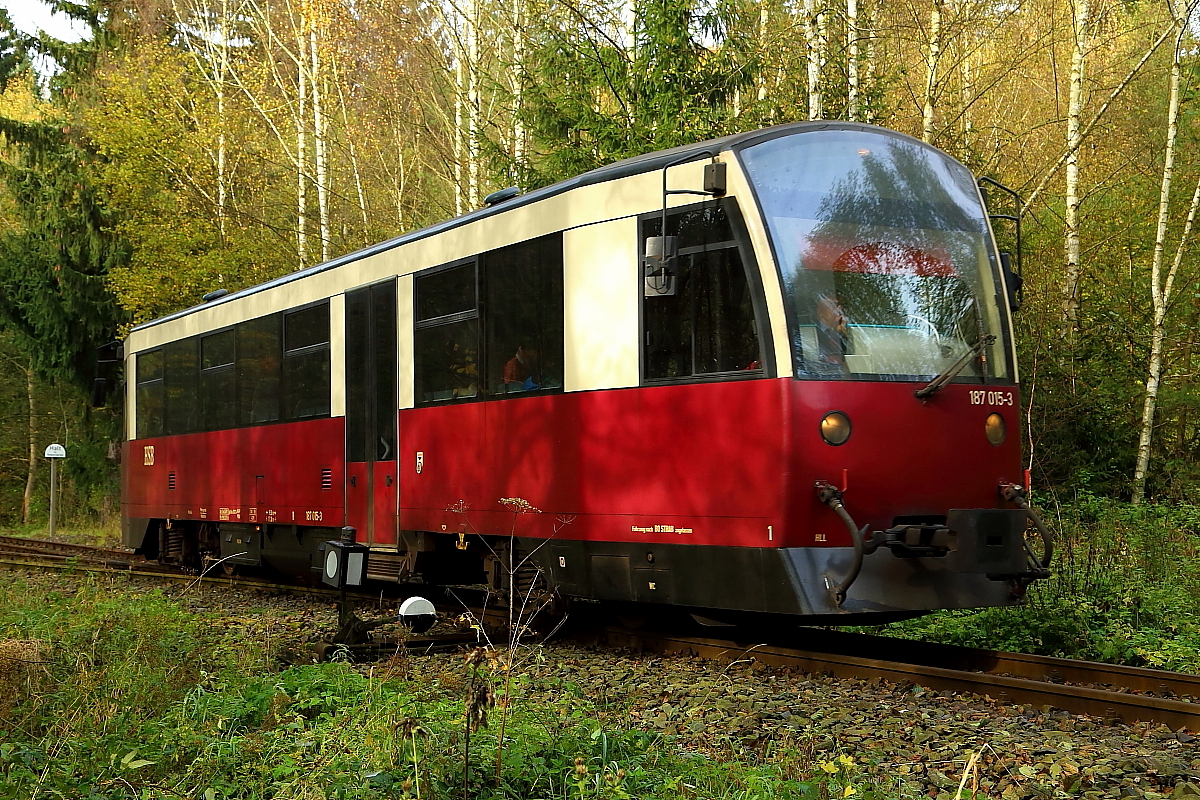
column 53, row 453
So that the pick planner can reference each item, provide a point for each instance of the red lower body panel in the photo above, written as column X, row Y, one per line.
column 730, row 463
column 288, row 473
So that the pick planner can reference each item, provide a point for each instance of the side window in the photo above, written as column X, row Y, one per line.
column 698, row 316
column 523, row 317
column 446, row 335
column 181, row 376
column 218, row 390
column 149, row 371
column 306, row 379
column 259, row 353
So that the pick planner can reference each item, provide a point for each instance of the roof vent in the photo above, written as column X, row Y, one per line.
column 500, row 195
column 215, row 294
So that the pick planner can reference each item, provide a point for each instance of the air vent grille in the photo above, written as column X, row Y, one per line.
column 326, row 480
column 171, row 481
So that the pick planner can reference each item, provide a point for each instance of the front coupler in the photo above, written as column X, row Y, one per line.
column 972, row 540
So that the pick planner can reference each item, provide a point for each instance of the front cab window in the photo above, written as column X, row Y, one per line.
column 886, row 258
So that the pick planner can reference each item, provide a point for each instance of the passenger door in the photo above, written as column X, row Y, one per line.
column 372, row 490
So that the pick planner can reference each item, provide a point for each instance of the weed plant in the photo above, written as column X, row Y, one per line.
column 140, row 698
column 1125, row 588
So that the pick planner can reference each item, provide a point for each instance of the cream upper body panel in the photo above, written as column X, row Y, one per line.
column 585, row 205
column 602, row 280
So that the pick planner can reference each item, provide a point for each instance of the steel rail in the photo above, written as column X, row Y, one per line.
column 19, row 544
column 1079, row 699
column 1016, row 665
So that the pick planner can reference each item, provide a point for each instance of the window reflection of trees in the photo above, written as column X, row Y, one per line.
column 897, row 240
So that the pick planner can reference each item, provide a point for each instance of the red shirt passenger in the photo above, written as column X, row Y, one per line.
column 519, row 369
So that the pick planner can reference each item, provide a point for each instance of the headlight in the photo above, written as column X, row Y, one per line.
column 835, row 428
column 994, row 429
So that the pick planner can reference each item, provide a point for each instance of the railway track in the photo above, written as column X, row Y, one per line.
column 61, row 551
column 1108, row 691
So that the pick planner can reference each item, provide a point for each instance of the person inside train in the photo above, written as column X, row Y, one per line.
column 831, row 333
column 520, row 371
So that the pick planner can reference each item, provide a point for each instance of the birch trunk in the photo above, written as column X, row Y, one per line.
column 932, row 57
column 473, row 104
column 31, row 467
column 222, row 71
column 852, row 60
column 319, row 145
column 1079, row 52
column 301, row 158
column 764, row 21
column 869, row 62
column 1160, row 291
column 460, row 95
column 517, row 74
column 812, row 37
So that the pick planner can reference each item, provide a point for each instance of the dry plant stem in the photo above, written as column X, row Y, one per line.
column 969, row 770
column 416, row 768
column 467, row 736
column 512, row 639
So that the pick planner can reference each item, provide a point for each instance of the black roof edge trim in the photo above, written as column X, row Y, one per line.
column 650, row 162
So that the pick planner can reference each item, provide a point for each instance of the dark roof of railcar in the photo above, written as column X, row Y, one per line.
column 621, row 169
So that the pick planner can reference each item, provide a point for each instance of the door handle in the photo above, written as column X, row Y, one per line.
column 354, row 480
column 387, row 480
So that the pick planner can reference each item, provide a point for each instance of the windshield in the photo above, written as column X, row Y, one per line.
column 885, row 256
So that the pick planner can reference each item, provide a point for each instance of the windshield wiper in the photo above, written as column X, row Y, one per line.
column 945, row 377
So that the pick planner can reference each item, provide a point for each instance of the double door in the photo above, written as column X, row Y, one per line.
column 372, row 490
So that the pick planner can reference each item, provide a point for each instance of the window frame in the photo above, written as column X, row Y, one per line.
column 202, row 372
column 196, row 343
column 446, row 320
column 754, row 284
column 161, row 385
column 480, row 315
column 285, row 395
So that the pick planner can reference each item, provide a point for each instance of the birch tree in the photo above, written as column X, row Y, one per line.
column 815, row 47
column 1162, row 285
column 1081, row 44
column 933, row 54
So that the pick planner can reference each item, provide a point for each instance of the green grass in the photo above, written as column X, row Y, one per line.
column 142, row 699
column 92, row 535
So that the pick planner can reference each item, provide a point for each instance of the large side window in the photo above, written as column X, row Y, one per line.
column 446, row 335
column 306, row 380
column 218, row 388
column 259, row 352
column 149, row 370
column 491, row 327
column 698, row 314
column 523, row 317
column 181, row 381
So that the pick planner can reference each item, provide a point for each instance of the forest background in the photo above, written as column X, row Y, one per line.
column 190, row 145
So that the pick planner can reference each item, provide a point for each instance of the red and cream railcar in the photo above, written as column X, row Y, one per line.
column 695, row 427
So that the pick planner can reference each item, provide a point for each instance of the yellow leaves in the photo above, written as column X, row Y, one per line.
column 21, row 102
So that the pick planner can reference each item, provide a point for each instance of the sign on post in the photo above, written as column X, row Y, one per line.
column 53, row 453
